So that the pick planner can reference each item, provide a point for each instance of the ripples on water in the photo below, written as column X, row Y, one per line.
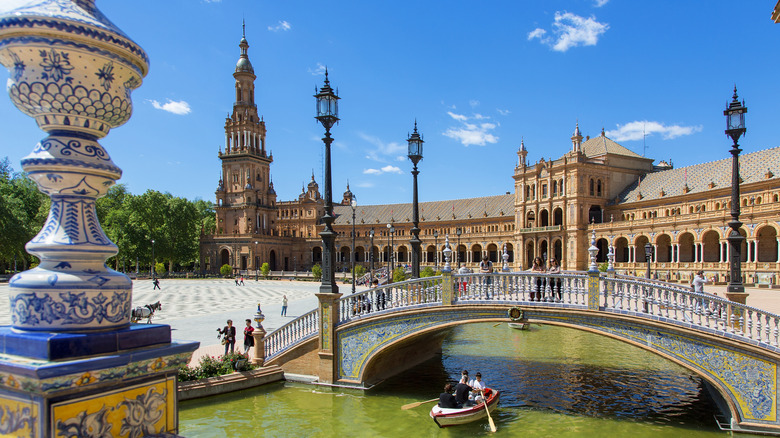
column 553, row 381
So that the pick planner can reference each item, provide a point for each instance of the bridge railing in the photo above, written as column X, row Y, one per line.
column 395, row 296
column 620, row 293
column 294, row 332
column 680, row 304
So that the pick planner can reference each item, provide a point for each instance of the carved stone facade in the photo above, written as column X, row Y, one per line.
column 598, row 184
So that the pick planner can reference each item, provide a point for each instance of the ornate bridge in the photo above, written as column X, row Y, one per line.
column 370, row 335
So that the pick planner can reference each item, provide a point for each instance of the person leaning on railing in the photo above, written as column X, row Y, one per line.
column 538, row 266
column 555, row 283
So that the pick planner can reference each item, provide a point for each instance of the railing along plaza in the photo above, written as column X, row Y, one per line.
column 636, row 296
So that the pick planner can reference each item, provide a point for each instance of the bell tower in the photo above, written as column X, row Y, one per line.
column 245, row 196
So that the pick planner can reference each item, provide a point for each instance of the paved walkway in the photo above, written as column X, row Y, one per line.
column 195, row 309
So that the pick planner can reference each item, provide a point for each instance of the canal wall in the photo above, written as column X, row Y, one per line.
column 229, row 382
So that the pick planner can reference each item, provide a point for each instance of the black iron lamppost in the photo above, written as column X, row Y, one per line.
column 735, row 127
column 458, row 231
column 328, row 115
column 371, row 255
column 415, row 154
column 257, row 260
column 391, row 231
column 153, row 273
column 353, row 204
column 436, row 245
column 648, row 257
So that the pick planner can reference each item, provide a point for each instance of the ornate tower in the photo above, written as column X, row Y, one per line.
column 576, row 139
column 245, row 196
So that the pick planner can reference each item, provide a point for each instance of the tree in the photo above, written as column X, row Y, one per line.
column 225, row 270
column 427, row 272
column 265, row 268
column 360, row 271
column 316, row 271
column 159, row 268
column 399, row 274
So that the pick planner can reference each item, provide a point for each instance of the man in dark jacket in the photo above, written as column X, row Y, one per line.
column 462, row 391
column 447, row 400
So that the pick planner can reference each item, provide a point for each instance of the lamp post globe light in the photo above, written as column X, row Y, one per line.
column 328, row 115
column 415, row 154
column 353, row 204
column 436, row 245
column 648, row 257
column 735, row 127
column 371, row 255
column 257, row 261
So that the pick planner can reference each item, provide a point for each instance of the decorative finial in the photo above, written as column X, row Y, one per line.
column 243, row 28
column 611, row 259
column 593, row 250
column 326, row 75
column 447, row 254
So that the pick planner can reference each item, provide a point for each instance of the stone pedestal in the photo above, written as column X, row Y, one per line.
column 736, row 313
column 258, row 350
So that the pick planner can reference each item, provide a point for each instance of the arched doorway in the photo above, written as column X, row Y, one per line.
column 621, row 250
column 711, row 242
column 476, row 253
column 272, row 260
column 530, row 219
column 603, row 247
column 663, row 248
column 558, row 250
column 543, row 251
column 767, row 244
column 430, row 254
column 544, row 218
column 558, row 216
column 529, row 254
column 492, row 251
column 594, row 214
column 316, row 255
column 224, row 258
column 403, row 254
column 687, row 250
column 510, row 252
column 640, row 243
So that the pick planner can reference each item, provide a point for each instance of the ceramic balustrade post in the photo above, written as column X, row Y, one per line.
column 73, row 71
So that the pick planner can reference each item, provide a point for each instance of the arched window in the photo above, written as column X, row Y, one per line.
column 598, row 188
column 592, row 183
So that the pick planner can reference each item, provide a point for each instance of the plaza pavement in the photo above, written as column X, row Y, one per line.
column 195, row 309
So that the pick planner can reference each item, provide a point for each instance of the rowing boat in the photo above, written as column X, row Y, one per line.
column 519, row 325
column 444, row 417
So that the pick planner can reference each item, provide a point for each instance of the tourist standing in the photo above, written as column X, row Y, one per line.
column 555, row 283
column 228, row 336
column 284, row 305
column 486, row 267
column 249, row 340
column 698, row 282
column 538, row 267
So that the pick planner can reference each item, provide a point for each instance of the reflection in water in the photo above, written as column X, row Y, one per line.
column 554, row 381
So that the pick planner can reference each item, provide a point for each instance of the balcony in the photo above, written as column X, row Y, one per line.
column 539, row 229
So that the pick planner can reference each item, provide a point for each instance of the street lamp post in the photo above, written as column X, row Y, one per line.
column 257, row 259
column 371, row 254
column 458, row 231
column 391, row 264
column 436, row 245
column 153, row 273
column 648, row 257
column 735, row 127
column 353, row 203
column 328, row 115
column 415, row 154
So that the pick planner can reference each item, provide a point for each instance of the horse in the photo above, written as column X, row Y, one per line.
column 146, row 311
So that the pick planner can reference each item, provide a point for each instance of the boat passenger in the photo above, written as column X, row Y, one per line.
column 447, row 400
column 462, row 391
column 478, row 385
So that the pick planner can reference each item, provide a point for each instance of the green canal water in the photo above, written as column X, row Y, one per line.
column 554, row 382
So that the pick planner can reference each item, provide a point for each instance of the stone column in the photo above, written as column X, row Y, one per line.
column 72, row 363
column 328, row 349
column 447, row 286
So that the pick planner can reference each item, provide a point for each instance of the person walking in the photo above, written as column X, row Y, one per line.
column 156, row 283
column 249, row 340
column 228, row 336
column 284, row 305
column 242, row 280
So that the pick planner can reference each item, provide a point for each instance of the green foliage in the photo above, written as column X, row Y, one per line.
column 225, row 270
column 399, row 274
column 603, row 267
column 316, row 272
column 159, row 268
column 23, row 210
column 210, row 366
column 265, row 268
column 427, row 272
column 360, row 271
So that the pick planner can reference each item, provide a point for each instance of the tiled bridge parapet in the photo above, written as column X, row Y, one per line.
column 732, row 346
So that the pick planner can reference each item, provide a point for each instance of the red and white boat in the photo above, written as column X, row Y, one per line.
column 444, row 417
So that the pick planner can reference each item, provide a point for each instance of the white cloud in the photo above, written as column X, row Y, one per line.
column 471, row 133
column 386, row 169
column 283, row 25
column 383, row 152
column 503, row 112
column 570, row 30
column 458, row 117
column 179, row 107
column 636, row 130
column 600, row 3
column 320, row 70
column 474, row 103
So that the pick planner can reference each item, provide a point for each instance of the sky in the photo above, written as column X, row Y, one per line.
column 478, row 77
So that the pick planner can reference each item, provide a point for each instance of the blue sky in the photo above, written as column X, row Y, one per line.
column 477, row 76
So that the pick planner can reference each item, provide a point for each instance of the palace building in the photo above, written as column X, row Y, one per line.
column 556, row 205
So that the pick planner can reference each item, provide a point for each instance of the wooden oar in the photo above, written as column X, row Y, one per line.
column 490, row 419
column 496, row 325
column 415, row 404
